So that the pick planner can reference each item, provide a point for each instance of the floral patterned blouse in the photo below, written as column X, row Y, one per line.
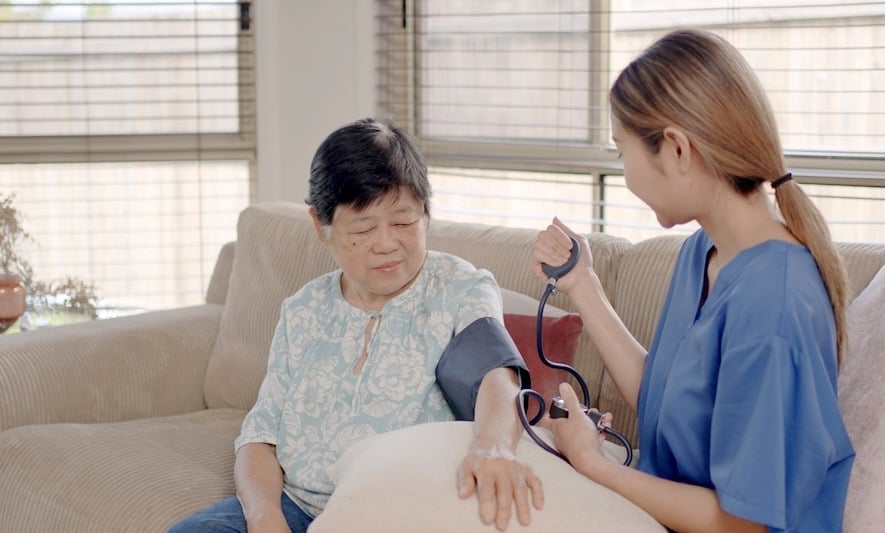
column 313, row 404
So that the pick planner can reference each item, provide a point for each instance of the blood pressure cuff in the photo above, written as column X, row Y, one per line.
column 482, row 346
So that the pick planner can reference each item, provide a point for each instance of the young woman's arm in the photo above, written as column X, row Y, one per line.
column 623, row 356
column 678, row 506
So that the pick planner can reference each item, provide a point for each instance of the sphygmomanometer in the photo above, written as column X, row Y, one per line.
column 482, row 346
column 485, row 345
column 558, row 408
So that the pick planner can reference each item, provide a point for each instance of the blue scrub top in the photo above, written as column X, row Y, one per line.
column 739, row 389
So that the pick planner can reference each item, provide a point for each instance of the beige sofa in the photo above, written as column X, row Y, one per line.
column 127, row 424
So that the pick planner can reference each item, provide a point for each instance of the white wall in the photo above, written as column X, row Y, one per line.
column 314, row 73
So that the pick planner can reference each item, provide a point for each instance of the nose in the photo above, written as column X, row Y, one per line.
column 386, row 241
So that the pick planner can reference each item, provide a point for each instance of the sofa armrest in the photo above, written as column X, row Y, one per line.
column 216, row 293
column 145, row 365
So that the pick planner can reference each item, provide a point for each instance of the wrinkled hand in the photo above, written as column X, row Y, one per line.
column 499, row 480
column 577, row 437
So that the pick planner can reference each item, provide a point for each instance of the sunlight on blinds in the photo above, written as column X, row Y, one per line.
column 119, row 68
column 820, row 61
column 539, row 71
column 508, row 96
column 523, row 74
column 127, row 138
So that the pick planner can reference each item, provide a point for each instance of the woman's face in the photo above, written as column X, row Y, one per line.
column 646, row 175
column 380, row 249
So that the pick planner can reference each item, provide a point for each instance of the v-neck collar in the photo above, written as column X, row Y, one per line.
column 731, row 271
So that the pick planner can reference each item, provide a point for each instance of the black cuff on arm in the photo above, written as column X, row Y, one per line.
column 482, row 346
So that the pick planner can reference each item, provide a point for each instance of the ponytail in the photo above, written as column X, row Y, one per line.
column 807, row 224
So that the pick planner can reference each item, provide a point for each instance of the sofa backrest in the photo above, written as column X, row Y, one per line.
column 277, row 251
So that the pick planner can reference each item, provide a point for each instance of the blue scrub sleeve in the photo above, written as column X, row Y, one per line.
column 770, row 446
column 482, row 346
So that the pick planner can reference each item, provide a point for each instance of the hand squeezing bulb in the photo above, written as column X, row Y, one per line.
column 556, row 272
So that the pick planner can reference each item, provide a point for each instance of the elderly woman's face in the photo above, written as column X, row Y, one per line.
column 380, row 249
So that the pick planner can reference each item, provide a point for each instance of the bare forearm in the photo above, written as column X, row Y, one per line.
column 491, row 468
column 623, row 356
column 678, row 506
column 495, row 419
column 259, row 479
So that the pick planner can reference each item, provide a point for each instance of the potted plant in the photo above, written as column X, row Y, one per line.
column 12, row 235
column 47, row 302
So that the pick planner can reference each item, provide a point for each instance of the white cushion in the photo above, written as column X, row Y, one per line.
column 404, row 481
column 861, row 397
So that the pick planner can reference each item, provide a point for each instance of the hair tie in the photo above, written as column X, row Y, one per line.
column 781, row 180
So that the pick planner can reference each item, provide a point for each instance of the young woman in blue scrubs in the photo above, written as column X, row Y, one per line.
column 739, row 428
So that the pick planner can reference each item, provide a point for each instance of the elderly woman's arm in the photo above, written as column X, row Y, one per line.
column 491, row 468
column 259, row 480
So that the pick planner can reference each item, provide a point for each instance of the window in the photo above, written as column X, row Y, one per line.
column 127, row 139
column 510, row 97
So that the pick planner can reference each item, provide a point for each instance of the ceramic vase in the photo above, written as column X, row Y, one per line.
column 12, row 300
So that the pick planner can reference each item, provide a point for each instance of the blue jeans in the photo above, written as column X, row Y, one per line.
column 227, row 516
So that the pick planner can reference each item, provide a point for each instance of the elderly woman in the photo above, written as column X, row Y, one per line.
column 396, row 336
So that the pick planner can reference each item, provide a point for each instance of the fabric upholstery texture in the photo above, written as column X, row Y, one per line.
column 861, row 395
column 139, row 475
column 416, row 465
column 216, row 293
column 89, row 372
column 277, row 252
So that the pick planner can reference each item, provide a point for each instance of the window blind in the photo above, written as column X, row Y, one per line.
column 510, row 97
column 127, row 138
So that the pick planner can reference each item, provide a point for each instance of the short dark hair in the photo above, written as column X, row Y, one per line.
column 361, row 162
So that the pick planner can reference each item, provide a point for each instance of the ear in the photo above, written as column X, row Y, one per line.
column 678, row 147
column 317, row 226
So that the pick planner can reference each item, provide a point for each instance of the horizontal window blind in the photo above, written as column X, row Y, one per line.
column 127, row 139
column 146, row 234
column 514, row 94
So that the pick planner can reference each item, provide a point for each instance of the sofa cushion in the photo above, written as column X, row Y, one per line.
column 862, row 261
column 404, row 480
column 861, row 395
column 276, row 253
column 140, row 475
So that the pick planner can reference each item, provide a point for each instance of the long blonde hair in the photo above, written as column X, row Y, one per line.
column 700, row 82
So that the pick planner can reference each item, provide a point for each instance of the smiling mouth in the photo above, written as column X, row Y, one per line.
column 387, row 267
